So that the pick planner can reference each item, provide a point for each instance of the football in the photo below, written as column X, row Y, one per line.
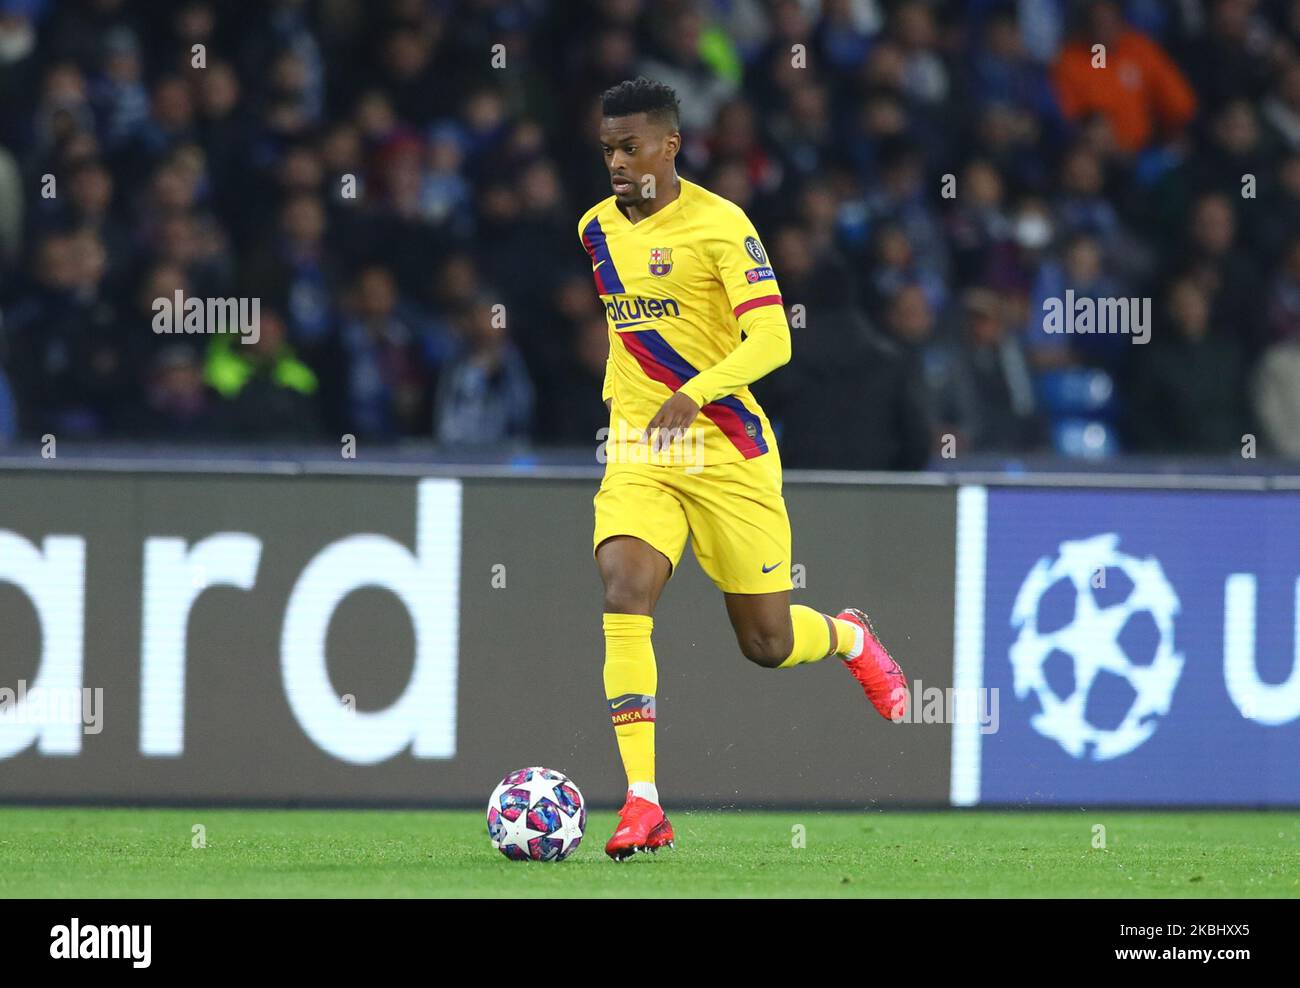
column 536, row 814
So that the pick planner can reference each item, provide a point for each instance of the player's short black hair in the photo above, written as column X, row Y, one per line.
column 641, row 95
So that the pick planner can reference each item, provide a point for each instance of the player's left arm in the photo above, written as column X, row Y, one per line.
column 742, row 267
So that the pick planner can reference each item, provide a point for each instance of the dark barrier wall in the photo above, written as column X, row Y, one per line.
column 382, row 640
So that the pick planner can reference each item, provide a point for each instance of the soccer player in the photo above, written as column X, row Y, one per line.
column 695, row 316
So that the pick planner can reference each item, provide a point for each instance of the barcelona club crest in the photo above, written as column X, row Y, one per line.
column 661, row 261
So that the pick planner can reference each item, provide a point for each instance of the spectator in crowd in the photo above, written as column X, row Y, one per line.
column 485, row 396
column 1275, row 390
column 1085, row 209
column 445, row 199
column 1225, row 269
column 979, row 228
column 736, row 139
column 297, row 268
column 269, row 392
column 894, row 265
column 118, row 91
column 178, row 405
column 574, row 419
column 925, row 70
column 1279, row 213
column 11, row 209
column 66, row 363
column 912, row 323
column 1230, row 59
column 1275, row 397
column 1186, row 390
column 387, row 370
column 224, row 133
column 142, row 344
column 1131, row 82
column 811, row 275
column 1082, row 271
column 693, row 58
column 902, row 199
column 1282, row 108
column 845, row 31
column 63, row 109
column 1003, row 73
column 1284, row 298
column 849, row 398
column 986, row 389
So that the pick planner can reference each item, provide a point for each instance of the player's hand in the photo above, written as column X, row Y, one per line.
column 671, row 421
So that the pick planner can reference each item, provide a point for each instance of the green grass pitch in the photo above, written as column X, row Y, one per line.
column 124, row 853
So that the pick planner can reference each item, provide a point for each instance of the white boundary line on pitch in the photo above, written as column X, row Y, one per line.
column 968, row 640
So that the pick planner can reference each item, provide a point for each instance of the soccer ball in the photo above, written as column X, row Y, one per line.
column 536, row 814
column 1096, row 647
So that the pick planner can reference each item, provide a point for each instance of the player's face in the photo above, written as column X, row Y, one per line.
column 636, row 147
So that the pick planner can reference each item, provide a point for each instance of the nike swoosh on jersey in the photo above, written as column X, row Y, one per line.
column 768, row 569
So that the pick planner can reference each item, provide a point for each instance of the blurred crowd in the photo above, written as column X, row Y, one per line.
column 398, row 182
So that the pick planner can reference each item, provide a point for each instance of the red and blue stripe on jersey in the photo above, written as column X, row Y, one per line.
column 602, row 264
column 664, row 364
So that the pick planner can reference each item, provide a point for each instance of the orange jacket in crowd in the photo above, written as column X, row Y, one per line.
column 1139, row 90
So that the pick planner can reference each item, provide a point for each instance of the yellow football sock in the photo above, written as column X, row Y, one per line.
column 630, row 681
column 816, row 636
column 845, row 635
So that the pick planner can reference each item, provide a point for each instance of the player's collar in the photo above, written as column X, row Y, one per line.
column 654, row 218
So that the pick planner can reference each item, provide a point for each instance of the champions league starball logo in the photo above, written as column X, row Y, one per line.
column 1095, row 650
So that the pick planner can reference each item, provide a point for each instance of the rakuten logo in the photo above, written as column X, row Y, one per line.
column 624, row 310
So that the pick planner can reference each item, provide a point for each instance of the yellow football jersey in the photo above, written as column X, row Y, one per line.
column 676, row 286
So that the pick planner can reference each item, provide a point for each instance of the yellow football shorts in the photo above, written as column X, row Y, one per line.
column 733, row 512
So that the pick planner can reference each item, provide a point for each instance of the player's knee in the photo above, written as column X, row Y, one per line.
column 627, row 598
column 768, row 650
